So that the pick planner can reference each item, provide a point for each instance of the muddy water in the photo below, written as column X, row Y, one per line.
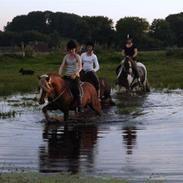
column 139, row 139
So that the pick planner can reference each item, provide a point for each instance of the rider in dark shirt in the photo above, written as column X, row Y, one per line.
column 130, row 50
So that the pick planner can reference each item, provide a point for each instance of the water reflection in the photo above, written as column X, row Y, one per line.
column 67, row 147
column 138, row 139
column 129, row 134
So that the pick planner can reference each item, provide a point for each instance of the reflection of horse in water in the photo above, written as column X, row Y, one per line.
column 126, row 76
column 54, row 88
column 67, row 147
column 129, row 138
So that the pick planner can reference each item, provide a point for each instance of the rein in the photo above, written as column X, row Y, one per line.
column 56, row 98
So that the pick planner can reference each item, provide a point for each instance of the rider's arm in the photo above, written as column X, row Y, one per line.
column 123, row 53
column 62, row 66
column 135, row 52
column 97, row 67
column 82, row 56
column 79, row 65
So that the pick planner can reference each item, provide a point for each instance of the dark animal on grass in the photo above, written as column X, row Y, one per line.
column 126, row 76
column 26, row 71
column 54, row 88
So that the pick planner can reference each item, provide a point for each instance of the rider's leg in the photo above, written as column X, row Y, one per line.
column 95, row 82
column 82, row 75
column 76, row 92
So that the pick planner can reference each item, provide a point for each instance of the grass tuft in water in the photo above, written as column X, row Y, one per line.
column 46, row 178
column 9, row 114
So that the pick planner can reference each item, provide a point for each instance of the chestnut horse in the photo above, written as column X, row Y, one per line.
column 55, row 89
column 105, row 88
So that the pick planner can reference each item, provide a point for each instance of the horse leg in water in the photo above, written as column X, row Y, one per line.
column 45, row 112
column 54, row 107
column 66, row 115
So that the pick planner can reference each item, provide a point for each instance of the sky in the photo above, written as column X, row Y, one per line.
column 114, row 9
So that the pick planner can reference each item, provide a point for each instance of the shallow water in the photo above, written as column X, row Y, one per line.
column 139, row 139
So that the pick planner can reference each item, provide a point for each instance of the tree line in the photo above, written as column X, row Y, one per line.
column 52, row 27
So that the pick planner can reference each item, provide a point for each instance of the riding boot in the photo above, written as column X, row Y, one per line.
column 78, row 104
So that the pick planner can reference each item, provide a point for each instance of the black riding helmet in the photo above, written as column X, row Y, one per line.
column 71, row 45
column 90, row 43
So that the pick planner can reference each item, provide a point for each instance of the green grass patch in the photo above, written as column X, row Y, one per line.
column 47, row 178
column 164, row 71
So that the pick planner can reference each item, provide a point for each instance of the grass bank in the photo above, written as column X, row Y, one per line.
column 42, row 178
column 163, row 71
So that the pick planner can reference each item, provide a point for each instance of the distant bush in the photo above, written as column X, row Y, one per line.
column 175, row 52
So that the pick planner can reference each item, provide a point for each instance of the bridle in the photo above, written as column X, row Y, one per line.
column 57, row 97
column 129, row 70
column 129, row 65
column 48, row 87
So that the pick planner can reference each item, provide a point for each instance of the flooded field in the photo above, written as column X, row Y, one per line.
column 139, row 139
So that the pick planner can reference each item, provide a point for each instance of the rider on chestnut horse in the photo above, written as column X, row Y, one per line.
column 54, row 88
column 73, row 65
column 90, row 67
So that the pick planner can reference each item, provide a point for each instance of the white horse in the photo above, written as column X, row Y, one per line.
column 126, row 76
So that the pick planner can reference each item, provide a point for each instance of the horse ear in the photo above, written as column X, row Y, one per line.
column 48, row 78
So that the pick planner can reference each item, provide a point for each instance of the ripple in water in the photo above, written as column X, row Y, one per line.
column 138, row 139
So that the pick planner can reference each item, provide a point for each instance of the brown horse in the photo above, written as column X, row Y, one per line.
column 105, row 88
column 55, row 89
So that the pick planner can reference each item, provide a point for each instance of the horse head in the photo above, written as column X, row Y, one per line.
column 51, row 87
column 125, row 73
column 46, row 88
column 128, row 66
column 128, row 70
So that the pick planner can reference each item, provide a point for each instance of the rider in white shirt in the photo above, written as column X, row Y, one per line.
column 90, row 67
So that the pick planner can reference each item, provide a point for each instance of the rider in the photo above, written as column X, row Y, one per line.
column 73, row 66
column 90, row 66
column 130, row 50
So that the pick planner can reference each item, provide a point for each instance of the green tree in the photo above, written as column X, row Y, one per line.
column 34, row 21
column 135, row 27
column 100, row 29
column 176, row 24
column 160, row 29
column 67, row 25
column 9, row 39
